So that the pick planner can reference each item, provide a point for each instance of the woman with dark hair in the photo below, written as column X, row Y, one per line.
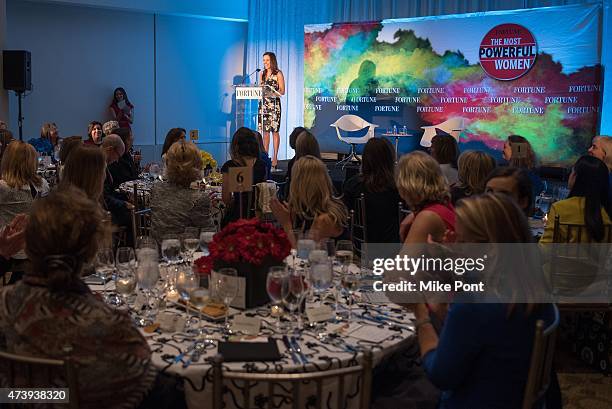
column 173, row 135
column 94, row 133
column 445, row 151
column 474, row 167
column 273, row 81
column 244, row 151
column 6, row 137
column 377, row 183
column 588, row 202
column 513, row 182
column 51, row 307
column 519, row 154
column 122, row 109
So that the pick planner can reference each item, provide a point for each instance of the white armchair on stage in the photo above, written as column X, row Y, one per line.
column 453, row 126
column 352, row 123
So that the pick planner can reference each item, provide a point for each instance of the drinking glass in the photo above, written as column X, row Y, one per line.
column 191, row 242
column 304, row 247
column 146, row 242
column 186, row 282
column 171, row 250
column 274, row 286
column 226, row 288
column 321, row 276
column 206, row 236
column 126, row 259
column 293, row 291
column 198, row 297
column 350, row 282
column 344, row 255
column 125, row 283
column 105, row 265
column 155, row 171
column 147, row 274
column 543, row 202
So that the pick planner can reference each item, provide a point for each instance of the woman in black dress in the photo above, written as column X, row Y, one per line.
column 270, row 109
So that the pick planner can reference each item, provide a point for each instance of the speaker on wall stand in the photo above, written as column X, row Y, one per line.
column 17, row 76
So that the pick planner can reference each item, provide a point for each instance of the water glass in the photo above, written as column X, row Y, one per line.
column 542, row 203
column 171, row 250
column 155, row 171
column 225, row 286
column 105, row 266
column 350, row 282
column 344, row 254
column 186, row 283
column 321, row 276
column 304, row 247
column 293, row 291
column 206, row 236
column 191, row 242
column 274, row 286
column 125, row 283
column 126, row 259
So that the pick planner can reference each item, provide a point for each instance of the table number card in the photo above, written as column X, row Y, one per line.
column 319, row 314
column 246, row 325
column 240, row 179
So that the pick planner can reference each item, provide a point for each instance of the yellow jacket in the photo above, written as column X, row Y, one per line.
column 570, row 211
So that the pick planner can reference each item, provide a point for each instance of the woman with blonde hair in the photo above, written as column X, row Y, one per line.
column 49, row 138
column 52, row 307
column 174, row 204
column 488, row 370
column 421, row 184
column 474, row 167
column 85, row 169
column 311, row 206
column 20, row 183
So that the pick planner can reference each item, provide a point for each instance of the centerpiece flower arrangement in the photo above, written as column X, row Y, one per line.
column 251, row 247
column 207, row 160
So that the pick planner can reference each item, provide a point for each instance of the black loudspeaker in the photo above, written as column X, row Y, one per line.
column 17, row 70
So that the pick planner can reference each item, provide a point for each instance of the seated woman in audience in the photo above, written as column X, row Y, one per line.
column 423, row 187
column 263, row 155
column 305, row 144
column 514, row 182
column 474, row 167
column 12, row 241
column 377, row 183
column 174, row 205
column 601, row 148
column 444, row 150
column 68, row 145
column 6, row 137
column 518, row 153
column 85, row 169
column 49, row 138
column 292, row 142
column 52, row 314
column 94, row 133
column 126, row 168
column 588, row 203
column 244, row 151
column 173, row 135
column 312, row 207
column 19, row 184
column 109, row 127
column 482, row 355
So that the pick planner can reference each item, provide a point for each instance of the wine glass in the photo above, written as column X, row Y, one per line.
column 186, row 282
column 274, row 286
column 126, row 259
column 105, row 265
column 292, row 292
column 191, row 242
column 350, row 282
column 344, row 255
column 226, row 288
column 125, row 283
column 206, row 236
column 145, row 242
column 154, row 171
column 171, row 250
column 147, row 274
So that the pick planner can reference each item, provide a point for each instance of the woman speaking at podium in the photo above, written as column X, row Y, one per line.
column 273, row 81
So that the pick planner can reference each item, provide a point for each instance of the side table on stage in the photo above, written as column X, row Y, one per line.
column 397, row 137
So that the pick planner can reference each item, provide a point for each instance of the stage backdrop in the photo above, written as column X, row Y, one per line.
column 535, row 73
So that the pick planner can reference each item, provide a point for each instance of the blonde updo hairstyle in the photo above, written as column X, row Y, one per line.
column 183, row 163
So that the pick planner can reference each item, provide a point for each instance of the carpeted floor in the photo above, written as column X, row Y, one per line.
column 585, row 390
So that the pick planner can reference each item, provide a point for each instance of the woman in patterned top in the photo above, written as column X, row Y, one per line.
column 270, row 110
column 174, row 205
column 51, row 312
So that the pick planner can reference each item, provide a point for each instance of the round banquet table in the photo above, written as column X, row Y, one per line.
column 384, row 328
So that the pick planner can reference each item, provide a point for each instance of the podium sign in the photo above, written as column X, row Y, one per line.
column 248, row 92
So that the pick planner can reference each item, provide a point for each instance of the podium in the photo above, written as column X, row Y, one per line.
column 247, row 104
column 248, row 98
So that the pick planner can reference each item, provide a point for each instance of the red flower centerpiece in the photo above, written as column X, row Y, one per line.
column 251, row 247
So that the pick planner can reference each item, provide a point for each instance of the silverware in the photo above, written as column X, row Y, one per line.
column 298, row 349
column 180, row 356
column 290, row 349
column 197, row 353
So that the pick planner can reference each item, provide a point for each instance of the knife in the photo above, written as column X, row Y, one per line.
column 180, row 356
column 297, row 348
column 290, row 349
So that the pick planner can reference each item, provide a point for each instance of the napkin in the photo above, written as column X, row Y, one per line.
column 249, row 351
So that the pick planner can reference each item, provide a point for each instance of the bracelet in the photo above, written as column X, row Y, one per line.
column 418, row 324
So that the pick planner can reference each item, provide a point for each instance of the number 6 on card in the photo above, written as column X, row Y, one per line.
column 241, row 179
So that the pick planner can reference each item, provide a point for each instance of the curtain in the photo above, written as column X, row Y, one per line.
column 278, row 26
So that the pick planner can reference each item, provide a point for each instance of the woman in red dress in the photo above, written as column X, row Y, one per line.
column 122, row 109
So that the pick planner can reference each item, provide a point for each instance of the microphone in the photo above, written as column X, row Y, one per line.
column 249, row 76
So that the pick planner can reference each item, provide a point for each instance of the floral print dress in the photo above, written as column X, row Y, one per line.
column 271, row 106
